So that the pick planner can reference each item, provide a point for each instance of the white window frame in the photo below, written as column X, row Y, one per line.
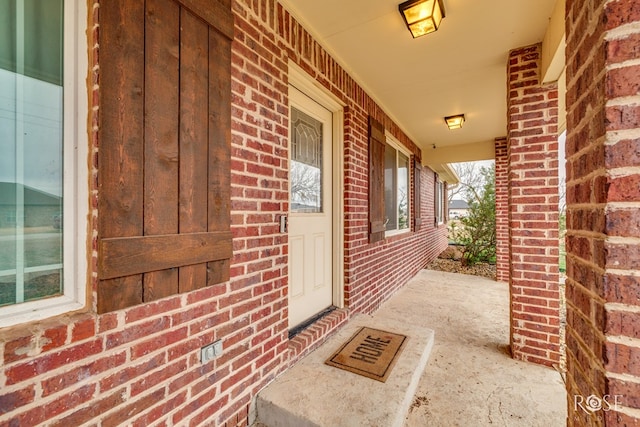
column 439, row 201
column 75, row 179
column 395, row 144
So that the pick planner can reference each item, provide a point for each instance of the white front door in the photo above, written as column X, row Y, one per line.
column 311, row 211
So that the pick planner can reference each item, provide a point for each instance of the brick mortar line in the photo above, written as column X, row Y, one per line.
column 624, row 64
column 546, row 316
column 623, row 31
column 532, row 322
column 582, row 206
column 592, row 295
column 623, row 340
column 624, row 377
column 586, row 348
column 623, row 172
column 613, row 137
column 39, row 400
column 579, row 73
column 260, row 153
column 537, row 340
column 617, row 240
column 590, row 29
column 602, row 140
column 587, row 235
column 631, row 412
column 622, row 272
column 622, row 206
column 619, row 307
column 624, row 101
column 585, row 93
column 517, row 298
column 600, row 172
column 585, row 263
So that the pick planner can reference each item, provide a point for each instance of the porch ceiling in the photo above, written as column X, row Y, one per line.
column 461, row 68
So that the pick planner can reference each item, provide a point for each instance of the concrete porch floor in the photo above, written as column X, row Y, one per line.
column 469, row 379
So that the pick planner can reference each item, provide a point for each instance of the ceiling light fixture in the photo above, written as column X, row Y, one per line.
column 422, row 16
column 454, row 122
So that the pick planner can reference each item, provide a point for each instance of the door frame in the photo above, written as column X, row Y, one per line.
column 303, row 82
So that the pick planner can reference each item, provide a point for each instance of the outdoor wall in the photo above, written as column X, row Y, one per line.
column 141, row 365
column 533, row 209
column 603, row 290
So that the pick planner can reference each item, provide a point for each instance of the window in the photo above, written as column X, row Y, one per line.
column 40, row 120
column 389, row 185
column 396, row 187
column 306, row 163
column 439, row 201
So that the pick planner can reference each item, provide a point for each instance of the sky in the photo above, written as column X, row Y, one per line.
column 31, row 128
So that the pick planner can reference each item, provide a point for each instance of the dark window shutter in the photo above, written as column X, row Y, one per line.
column 417, row 174
column 164, row 165
column 376, row 181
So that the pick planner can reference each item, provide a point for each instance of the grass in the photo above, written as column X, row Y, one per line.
column 35, row 287
column 42, row 246
column 562, row 265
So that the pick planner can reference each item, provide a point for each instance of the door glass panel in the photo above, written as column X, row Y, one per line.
column 306, row 163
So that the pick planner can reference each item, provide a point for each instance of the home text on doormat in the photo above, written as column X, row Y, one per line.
column 370, row 353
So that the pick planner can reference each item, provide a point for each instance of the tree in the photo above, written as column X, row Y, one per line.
column 478, row 231
column 305, row 185
column 471, row 181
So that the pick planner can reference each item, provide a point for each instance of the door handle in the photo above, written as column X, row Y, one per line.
column 284, row 224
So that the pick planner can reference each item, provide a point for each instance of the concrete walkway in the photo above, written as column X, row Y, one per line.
column 469, row 379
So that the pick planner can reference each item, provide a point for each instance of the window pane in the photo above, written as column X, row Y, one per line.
column 306, row 163
column 31, row 144
column 403, row 191
column 439, row 202
column 31, row 38
column 390, row 183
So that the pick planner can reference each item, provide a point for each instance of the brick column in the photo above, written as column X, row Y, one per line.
column 603, row 195
column 502, row 210
column 533, row 210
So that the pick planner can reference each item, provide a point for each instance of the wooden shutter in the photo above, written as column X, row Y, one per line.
column 417, row 174
column 376, row 181
column 164, row 161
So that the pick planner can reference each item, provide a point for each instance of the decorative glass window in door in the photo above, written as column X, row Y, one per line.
column 306, row 163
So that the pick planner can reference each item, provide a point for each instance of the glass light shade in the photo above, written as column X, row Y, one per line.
column 454, row 122
column 422, row 16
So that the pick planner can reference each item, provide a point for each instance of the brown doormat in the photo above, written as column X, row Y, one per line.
column 370, row 353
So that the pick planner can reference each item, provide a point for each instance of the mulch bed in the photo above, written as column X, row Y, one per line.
column 447, row 261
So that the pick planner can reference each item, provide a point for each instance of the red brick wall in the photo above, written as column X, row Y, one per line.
column 533, row 210
column 603, row 133
column 141, row 365
column 502, row 210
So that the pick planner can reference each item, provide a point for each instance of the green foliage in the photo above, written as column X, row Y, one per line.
column 562, row 230
column 562, row 223
column 403, row 212
column 478, row 229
